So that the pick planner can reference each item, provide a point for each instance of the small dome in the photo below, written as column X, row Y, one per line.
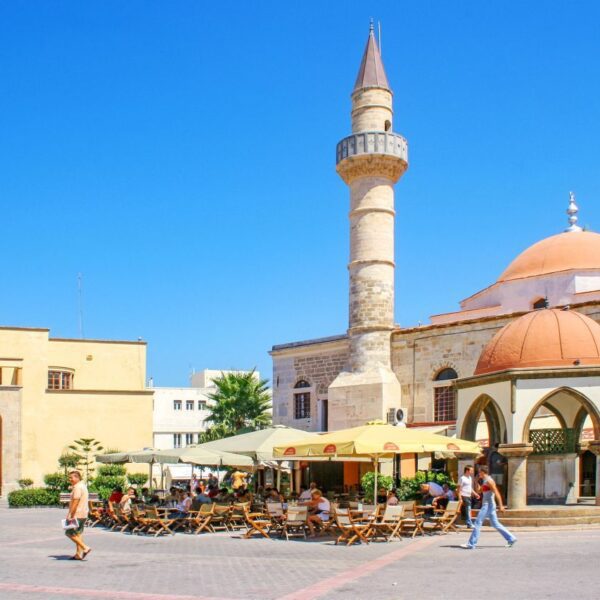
column 573, row 250
column 543, row 338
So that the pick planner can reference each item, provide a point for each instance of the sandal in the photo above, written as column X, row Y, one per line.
column 75, row 557
column 86, row 553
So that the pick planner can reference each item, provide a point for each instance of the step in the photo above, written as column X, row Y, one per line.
column 549, row 521
column 553, row 512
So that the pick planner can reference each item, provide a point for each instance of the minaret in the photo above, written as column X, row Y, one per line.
column 370, row 161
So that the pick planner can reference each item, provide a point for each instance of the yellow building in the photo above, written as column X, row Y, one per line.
column 53, row 391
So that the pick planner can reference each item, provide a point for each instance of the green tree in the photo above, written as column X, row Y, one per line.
column 69, row 461
column 242, row 401
column 86, row 449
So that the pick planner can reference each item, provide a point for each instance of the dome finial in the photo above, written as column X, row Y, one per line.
column 371, row 25
column 572, row 212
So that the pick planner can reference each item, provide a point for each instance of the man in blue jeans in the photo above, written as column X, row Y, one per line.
column 466, row 493
column 490, row 494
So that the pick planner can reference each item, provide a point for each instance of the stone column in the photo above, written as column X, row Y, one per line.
column 594, row 446
column 572, row 477
column 517, row 473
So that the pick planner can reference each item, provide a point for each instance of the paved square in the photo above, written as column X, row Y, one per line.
column 543, row 564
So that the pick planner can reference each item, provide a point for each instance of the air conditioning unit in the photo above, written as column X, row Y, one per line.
column 395, row 416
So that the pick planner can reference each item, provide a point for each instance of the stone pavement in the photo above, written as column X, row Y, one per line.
column 543, row 564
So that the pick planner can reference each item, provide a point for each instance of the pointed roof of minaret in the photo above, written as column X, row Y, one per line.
column 371, row 72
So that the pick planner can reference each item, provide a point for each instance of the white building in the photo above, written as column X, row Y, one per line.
column 180, row 413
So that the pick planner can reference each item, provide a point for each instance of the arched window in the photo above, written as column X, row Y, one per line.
column 444, row 395
column 302, row 400
column 388, row 125
column 540, row 303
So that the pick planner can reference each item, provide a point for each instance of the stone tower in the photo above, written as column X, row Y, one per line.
column 370, row 161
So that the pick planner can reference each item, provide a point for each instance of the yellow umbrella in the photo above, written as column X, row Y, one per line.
column 376, row 440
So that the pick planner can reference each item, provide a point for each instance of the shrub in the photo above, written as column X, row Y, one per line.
column 138, row 479
column 368, row 481
column 112, row 471
column 33, row 497
column 409, row 488
column 68, row 461
column 57, row 482
column 25, row 483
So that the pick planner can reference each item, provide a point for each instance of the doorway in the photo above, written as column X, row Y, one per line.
column 587, row 474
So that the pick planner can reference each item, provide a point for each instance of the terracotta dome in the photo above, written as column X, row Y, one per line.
column 543, row 338
column 567, row 251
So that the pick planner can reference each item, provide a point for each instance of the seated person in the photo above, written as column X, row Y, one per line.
column 319, row 507
column 442, row 500
column 274, row 496
column 213, row 491
column 223, row 496
column 382, row 496
column 431, row 490
column 126, row 500
column 184, row 505
column 242, row 495
column 306, row 494
column 116, row 495
column 392, row 498
column 199, row 499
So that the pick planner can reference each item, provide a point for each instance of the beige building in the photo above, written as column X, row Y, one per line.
column 376, row 367
column 53, row 391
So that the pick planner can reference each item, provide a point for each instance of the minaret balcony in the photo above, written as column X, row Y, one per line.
column 372, row 142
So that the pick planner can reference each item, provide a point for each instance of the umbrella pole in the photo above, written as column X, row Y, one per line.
column 162, row 476
column 150, row 465
column 376, row 461
column 278, row 475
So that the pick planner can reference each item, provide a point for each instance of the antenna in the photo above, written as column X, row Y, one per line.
column 379, row 32
column 80, row 301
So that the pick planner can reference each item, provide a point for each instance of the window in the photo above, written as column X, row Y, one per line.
column 189, row 405
column 176, row 440
column 540, row 303
column 302, row 406
column 201, row 405
column 189, row 439
column 302, row 401
column 176, row 404
column 444, row 396
column 60, row 380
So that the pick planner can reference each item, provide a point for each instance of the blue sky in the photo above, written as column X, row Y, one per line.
column 181, row 156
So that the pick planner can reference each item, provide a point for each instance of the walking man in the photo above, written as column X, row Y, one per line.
column 490, row 494
column 78, row 510
column 466, row 493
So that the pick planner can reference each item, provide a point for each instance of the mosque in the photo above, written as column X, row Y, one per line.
column 516, row 368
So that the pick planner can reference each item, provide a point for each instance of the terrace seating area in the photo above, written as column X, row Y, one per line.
column 348, row 523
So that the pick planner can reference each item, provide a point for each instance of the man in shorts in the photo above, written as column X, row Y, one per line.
column 78, row 510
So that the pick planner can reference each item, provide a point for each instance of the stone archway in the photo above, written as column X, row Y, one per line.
column 493, row 415
column 584, row 404
column 554, row 467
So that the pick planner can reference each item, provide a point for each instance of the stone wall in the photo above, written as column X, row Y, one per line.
column 418, row 354
column 10, row 438
column 318, row 363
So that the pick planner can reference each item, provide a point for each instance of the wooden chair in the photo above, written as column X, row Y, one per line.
column 138, row 518
column 158, row 523
column 276, row 514
column 96, row 513
column 391, row 523
column 295, row 523
column 201, row 520
column 122, row 520
column 237, row 516
column 257, row 522
column 351, row 531
column 445, row 521
column 412, row 521
column 220, row 517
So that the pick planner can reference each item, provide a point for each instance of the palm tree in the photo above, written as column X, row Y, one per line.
column 240, row 402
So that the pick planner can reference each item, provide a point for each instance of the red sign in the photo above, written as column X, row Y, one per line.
column 452, row 447
column 289, row 452
column 390, row 446
column 330, row 449
column 303, row 464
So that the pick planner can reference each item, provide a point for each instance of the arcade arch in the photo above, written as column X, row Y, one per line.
column 485, row 412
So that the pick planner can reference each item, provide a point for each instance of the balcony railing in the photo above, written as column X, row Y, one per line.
column 372, row 142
